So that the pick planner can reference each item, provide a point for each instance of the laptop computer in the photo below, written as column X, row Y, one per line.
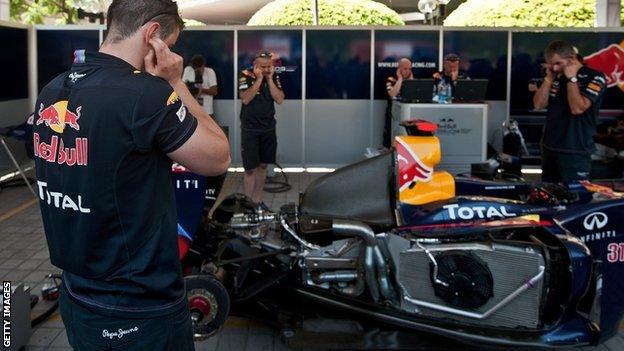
column 417, row 90
column 468, row 90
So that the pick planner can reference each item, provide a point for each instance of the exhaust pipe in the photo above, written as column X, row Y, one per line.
column 374, row 262
column 335, row 277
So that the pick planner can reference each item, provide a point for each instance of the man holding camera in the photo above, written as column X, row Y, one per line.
column 202, row 81
column 572, row 94
column 259, row 89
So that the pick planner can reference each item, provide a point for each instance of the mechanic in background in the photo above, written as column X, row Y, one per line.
column 259, row 89
column 571, row 93
column 393, row 87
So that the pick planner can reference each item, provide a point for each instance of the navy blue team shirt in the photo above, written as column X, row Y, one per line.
column 568, row 133
column 101, row 135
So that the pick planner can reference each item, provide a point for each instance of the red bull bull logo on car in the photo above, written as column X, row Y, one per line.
column 57, row 117
column 411, row 168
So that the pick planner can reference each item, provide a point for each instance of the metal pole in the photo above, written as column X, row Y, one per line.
column 608, row 13
column 5, row 10
column 315, row 17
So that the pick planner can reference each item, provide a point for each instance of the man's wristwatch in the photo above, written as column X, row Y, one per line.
column 573, row 79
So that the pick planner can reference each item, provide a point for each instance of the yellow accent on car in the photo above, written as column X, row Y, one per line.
column 531, row 217
column 442, row 184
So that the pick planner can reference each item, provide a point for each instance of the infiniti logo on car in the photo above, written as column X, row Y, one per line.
column 596, row 220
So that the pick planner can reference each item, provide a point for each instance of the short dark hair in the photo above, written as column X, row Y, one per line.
column 197, row 61
column 125, row 17
column 561, row 48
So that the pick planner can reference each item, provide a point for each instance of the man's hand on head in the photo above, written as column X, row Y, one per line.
column 399, row 75
column 257, row 71
column 163, row 63
column 271, row 71
column 572, row 68
column 454, row 75
column 550, row 74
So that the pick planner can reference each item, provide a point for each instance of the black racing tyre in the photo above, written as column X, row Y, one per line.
column 209, row 304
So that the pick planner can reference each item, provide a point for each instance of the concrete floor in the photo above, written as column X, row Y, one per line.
column 24, row 258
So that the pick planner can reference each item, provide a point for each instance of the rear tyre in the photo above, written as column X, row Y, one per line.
column 209, row 304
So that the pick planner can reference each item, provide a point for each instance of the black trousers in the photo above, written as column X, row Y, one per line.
column 561, row 167
column 92, row 332
column 387, row 132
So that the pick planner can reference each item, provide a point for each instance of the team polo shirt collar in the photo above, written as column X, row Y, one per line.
column 102, row 59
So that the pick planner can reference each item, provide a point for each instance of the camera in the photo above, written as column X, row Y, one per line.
column 195, row 87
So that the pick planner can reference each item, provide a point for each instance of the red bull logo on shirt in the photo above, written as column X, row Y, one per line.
column 56, row 151
column 57, row 116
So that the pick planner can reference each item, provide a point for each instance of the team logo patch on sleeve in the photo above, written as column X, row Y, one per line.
column 173, row 98
column 181, row 113
column 243, row 84
column 594, row 87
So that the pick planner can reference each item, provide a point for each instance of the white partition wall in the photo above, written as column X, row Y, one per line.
column 336, row 92
column 336, row 132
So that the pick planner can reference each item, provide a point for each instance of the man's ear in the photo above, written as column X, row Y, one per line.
column 152, row 31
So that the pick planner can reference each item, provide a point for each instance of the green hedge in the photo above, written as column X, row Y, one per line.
column 331, row 13
column 524, row 13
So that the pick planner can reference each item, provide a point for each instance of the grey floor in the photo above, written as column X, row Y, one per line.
column 24, row 258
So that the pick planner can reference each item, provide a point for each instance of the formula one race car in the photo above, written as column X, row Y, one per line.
column 392, row 240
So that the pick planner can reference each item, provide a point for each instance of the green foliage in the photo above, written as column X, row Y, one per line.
column 524, row 13
column 331, row 13
column 65, row 11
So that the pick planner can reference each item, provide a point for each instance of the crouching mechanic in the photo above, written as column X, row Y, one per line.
column 105, row 135
column 259, row 90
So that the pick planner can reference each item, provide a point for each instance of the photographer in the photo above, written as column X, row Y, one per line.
column 572, row 94
column 202, row 82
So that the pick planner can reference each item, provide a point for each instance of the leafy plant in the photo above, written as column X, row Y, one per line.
column 65, row 11
column 524, row 13
column 330, row 13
